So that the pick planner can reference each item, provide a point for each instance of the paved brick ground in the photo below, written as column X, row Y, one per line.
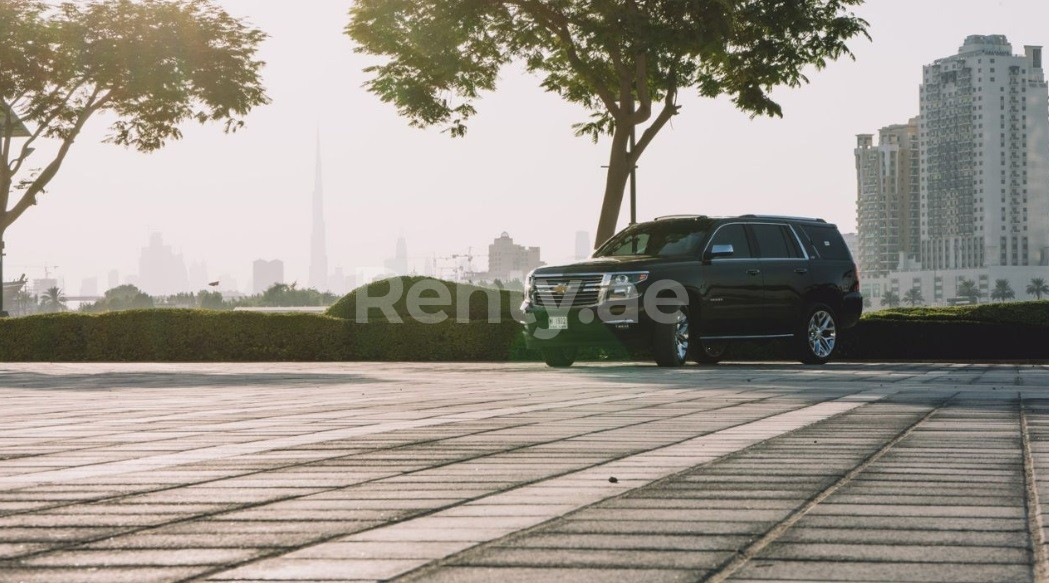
column 518, row 473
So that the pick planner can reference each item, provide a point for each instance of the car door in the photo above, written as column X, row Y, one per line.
column 730, row 286
column 786, row 276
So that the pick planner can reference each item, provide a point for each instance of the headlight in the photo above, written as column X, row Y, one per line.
column 529, row 285
column 623, row 286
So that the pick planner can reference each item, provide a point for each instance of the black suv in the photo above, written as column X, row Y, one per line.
column 682, row 287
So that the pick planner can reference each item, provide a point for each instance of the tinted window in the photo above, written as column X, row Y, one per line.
column 775, row 242
column 663, row 238
column 827, row 242
column 736, row 236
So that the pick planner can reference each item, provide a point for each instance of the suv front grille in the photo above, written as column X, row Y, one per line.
column 563, row 291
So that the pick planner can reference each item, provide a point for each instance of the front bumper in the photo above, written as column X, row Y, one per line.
column 632, row 331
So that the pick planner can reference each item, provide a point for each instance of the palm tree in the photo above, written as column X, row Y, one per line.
column 1038, row 288
column 53, row 300
column 1002, row 290
column 890, row 300
column 914, row 297
column 968, row 289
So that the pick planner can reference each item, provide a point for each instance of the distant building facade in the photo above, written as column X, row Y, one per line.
column 508, row 261
column 161, row 271
column 265, row 274
column 982, row 165
column 583, row 246
column 889, row 198
column 318, row 235
column 985, row 158
column 398, row 264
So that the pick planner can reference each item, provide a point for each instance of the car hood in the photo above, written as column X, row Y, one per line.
column 607, row 264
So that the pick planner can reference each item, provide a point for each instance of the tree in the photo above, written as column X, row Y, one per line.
column 147, row 65
column 53, row 300
column 914, row 297
column 967, row 289
column 625, row 62
column 890, row 299
column 1002, row 290
column 1038, row 288
column 125, row 297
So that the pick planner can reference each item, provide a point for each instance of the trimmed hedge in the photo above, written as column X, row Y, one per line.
column 477, row 308
column 1019, row 313
column 204, row 336
column 1018, row 331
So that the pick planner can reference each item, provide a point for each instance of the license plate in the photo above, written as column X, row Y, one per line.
column 559, row 322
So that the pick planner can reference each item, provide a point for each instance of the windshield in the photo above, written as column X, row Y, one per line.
column 673, row 238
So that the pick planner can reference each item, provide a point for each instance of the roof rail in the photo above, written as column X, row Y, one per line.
column 782, row 218
column 669, row 217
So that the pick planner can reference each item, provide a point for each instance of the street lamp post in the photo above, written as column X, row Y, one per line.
column 3, row 313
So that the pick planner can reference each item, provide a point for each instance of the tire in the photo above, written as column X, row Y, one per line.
column 559, row 357
column 817, row 335
column 670, row 342
column 709, row 352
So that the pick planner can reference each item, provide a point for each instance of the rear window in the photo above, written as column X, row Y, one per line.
column 826, row 242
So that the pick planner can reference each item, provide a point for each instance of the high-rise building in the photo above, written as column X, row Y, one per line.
column 89, row 287
column 266, row 273
column 508, row 261
column 161, row 271
column 984, row 142
column 318, row 238
column 583, row 247
column 889, row 198
column 398, row 264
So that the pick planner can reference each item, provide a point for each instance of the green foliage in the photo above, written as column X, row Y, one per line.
column 1038, row 288
column 282, row 295
column 914, row 297
column 503, row 303
column 440, row 55
column 118, row 299
column 968, row 290
column 175, row 335
column 1011, row 314
column 53, row 301
column 1002, row 290
column 890, row 299
column 148, row 65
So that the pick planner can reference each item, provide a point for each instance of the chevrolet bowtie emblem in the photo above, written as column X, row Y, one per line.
column 561, row 289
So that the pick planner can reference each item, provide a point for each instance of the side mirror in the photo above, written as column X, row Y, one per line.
column 722, row 251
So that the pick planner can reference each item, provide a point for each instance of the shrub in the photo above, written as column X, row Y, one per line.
column 203, row 336
column 477, row 309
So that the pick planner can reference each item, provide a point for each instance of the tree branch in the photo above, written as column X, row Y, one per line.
column 93, row 104
column 558, row 24
column 670, row 109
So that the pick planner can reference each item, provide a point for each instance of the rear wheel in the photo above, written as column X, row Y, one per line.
column 670, row 342
column 817, row 338
column 710, row 352
column 559, row 357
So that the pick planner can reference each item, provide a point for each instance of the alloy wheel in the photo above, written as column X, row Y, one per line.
column 823, row 334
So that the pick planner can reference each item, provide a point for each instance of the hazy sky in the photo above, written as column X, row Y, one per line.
column 228, row 200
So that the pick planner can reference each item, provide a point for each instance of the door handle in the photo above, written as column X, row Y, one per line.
column 801, row 271
column 754, row 271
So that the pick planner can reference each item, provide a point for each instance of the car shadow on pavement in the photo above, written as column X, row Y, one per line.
column 172, row 380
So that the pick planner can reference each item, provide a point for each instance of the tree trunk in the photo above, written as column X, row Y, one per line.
column 615, row 185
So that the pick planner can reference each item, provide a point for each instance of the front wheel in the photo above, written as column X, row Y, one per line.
column 670, row 342
column 559, row 357
column 710, row 352
column 818, row 337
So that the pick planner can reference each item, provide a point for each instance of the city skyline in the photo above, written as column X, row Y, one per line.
column 231, row 199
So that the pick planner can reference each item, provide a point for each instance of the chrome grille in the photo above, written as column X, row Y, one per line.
column 555, row 291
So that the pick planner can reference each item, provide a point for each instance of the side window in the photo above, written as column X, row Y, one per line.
column 773, row 242
column 827, row 242
column 736, row 236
